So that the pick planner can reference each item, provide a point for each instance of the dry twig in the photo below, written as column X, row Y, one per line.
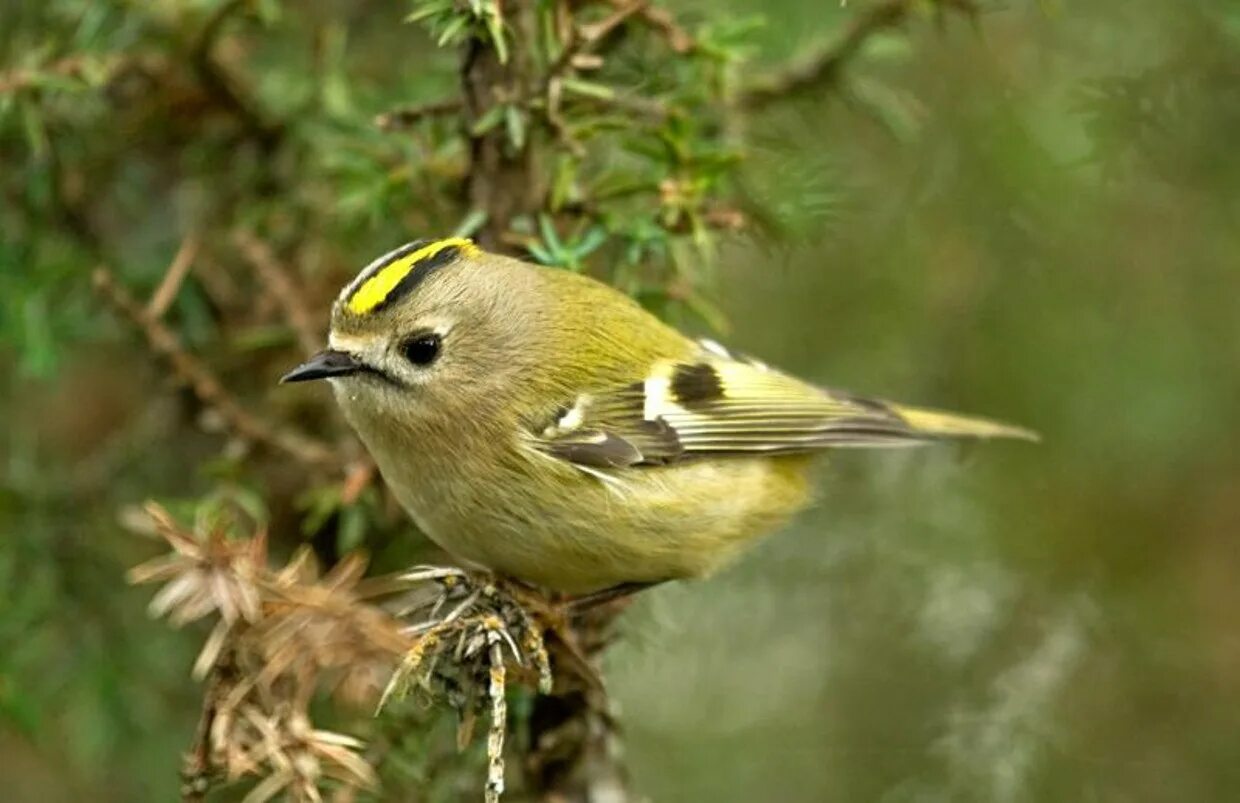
column 406, row 116
column 286, row 291
column 584, row 38
column 163, row 296
column 22, row 78
column 282, row 635
column 357, row 478
column 665, row 23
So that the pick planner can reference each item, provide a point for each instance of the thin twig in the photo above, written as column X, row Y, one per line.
column 584, row 38
column 403, row 117
column 79, row 67
column 282, row 287
column 578, row 50
column 496, row 690
column 823, row 67
column 163, row 296
column 164, row 342
column 662, row 21
column 650, row 109
column 19, row 78
column 197, row 770
column 358, row 477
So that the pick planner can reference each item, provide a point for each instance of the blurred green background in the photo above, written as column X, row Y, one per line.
column 1035, row 217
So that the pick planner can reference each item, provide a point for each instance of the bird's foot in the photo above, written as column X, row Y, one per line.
column 476, row 620
column 471, row 632
column 469, row 636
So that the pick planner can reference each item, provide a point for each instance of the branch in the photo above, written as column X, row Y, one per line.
column 584, row 38
column 218, row 83
column 823, row 68
column 461, row 637
column 90, row 70
column 280, row 285
column 575, row 753
column 278, row 636
column 503, row 182
column 404, row 117
column 174, row 277
column 21, row 78
column 660, row 19
column 164, row 342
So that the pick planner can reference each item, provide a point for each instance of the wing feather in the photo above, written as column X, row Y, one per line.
column 720, row 404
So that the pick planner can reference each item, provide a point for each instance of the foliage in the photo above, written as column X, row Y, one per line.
column 244, row 135
column 1033, row 216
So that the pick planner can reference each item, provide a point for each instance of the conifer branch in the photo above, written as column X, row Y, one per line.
column 822, row 68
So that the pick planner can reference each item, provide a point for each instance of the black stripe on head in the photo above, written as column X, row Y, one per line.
column 420, row 272
column 398, row 273
column 379, row 264
column 696, row 384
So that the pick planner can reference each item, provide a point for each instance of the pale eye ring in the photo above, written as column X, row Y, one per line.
column 422, row 350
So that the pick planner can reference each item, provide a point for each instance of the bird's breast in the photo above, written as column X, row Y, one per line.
column 493, row 502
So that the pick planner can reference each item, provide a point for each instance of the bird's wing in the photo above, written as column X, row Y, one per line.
column 718, row 403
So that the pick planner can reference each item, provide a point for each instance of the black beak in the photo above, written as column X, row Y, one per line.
column 322, row 365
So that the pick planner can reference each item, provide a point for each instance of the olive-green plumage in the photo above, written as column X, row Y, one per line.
column 542, row 425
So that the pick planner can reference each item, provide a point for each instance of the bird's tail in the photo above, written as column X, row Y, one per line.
column 939, row 424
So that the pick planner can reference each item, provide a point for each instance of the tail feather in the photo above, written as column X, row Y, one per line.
column 939, row 424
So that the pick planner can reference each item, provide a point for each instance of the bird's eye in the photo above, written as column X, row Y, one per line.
column 422, row 350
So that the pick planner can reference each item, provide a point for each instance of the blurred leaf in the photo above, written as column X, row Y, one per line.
column 514, row 119
column 489, row 120
column 589, row 89
column 496, row 30
column 32, row 124
column 351, row 532
column 471, row 223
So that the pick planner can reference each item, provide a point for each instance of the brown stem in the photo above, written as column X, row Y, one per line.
column 198, row 771
column 174, row 277
column 584, row 38
column 662, row 20
column 405, row 116
column 573, row 739
column 283, row 288
column 503, row 182
column 575, row 753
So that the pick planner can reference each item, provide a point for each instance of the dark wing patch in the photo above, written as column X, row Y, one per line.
column 597, row 450
column 642, row 443
column 696, row 383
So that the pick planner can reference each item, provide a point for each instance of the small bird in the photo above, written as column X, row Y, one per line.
column 541, row 425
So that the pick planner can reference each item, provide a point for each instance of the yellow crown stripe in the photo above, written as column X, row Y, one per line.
column 378, row 287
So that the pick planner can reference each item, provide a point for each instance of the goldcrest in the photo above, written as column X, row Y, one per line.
column 540, row 424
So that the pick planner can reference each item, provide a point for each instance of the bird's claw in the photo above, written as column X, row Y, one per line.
column 467, row 637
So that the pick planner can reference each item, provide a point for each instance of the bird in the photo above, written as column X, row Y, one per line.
column 541, row 425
